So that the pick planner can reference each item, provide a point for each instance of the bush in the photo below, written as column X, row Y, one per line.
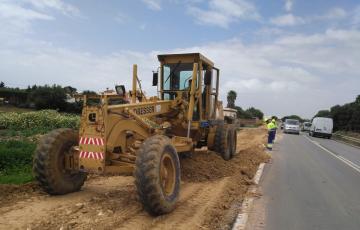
column 39, row 120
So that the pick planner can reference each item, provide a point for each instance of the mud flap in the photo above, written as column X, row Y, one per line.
column 92, row 154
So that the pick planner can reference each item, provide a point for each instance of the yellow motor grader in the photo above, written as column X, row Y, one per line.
column 144, row 136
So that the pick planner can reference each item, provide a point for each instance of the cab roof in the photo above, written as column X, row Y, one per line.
column 184, row 57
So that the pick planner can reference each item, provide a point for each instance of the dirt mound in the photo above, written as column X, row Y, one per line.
column 211, row 188
column 207, row 166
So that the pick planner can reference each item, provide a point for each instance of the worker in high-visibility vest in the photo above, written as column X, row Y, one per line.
column 271, row 127
column 274, row 121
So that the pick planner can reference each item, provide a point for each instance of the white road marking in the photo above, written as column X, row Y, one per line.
column 243, row 216
column 259, row 173
column 343, row 159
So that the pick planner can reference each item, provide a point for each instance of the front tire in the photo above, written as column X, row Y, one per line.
column 157, row 175
column 49, row 163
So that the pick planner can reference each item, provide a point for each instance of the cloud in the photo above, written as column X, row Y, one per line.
column 310, row 70
column 288, row 5
column 287, row 20
column 121, row 18
column 224, row 12
column 15, row 12
column 307, row 69
column 335, row 13
column 356, row 17
column 18, row 16
column 58, row 5
column 153, row 4
column 16, row 19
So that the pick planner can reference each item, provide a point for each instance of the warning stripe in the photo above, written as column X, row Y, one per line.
column 91, row 141
column 93, row 155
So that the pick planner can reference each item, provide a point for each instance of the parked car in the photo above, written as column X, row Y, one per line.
column 292, row 126
column 321, row 127
column 306, row 126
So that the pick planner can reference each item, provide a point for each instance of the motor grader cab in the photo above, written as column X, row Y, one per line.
column 143, row 137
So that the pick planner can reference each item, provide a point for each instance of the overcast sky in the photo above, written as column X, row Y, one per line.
column 283, row 57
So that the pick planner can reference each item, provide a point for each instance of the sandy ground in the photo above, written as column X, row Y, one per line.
column 211, row 192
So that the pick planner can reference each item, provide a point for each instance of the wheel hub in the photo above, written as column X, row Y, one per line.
column 167, row 174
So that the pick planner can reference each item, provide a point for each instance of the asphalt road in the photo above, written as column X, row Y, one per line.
column 312, row 183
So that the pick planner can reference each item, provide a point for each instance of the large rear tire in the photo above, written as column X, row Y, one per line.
column 224, row 136
column 233, row 142
column 49, row 163
column 157, row 175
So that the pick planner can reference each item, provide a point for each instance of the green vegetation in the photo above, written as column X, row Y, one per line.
column 231, row 98
column 38, row 122
column 296, row 117
column 15, row 161
column 346, row 117
column 42, row 97
column 249, row 113
column 243, row 114
column 16, row 149
column 323, row 113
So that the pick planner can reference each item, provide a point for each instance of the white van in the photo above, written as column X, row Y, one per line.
column 321, row 126
column 306, row 126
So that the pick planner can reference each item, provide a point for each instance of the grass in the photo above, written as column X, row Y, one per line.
column 9, row 133
column 16, row 161
column 18, row 132
column 19, row 176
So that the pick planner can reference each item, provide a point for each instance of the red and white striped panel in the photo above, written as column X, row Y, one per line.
column 91, row 141
column 91, row 155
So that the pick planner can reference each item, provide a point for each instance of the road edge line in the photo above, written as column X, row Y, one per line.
column 345, row 143
column 246, row 205
column 339, row 157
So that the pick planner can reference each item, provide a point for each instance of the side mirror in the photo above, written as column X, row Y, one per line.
column 155, row 79
column 207, row 78
column 120, row 90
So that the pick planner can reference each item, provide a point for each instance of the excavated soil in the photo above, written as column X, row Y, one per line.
column 211, row 191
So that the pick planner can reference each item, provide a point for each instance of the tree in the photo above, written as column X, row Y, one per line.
column 70, row 90
column 323, row 113
column 231, row 98
column 255, row 112
column 89, row 92
column 357, row 100
column 296, row 117
column 240, row 113
column 2, row 84
column 48, row 97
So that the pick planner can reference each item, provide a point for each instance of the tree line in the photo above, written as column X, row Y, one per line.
column 42, row 97
column 244, row 114
column 346, row 117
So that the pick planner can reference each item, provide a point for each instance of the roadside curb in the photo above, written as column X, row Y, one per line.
column 242, row 217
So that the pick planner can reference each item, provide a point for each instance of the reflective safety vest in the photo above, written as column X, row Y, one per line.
column 271, row 126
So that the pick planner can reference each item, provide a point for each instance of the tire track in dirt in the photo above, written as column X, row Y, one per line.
column 39, row 207
column 195, row 200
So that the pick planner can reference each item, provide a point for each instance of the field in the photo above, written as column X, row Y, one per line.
column 19, row 132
